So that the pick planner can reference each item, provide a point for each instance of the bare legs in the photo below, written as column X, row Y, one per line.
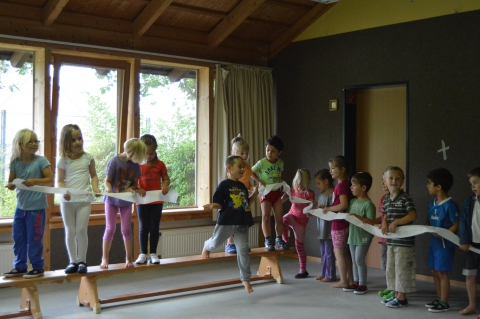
column 472, row 293
column 344, row 266
column 106, row 253
column 278, row 213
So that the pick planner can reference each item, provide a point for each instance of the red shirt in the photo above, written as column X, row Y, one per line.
column 342, row 188
column 151, row 177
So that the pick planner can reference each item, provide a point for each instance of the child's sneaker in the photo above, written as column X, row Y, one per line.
column 432, row 304
column 230, row 248
column 396, row 303
column 440, row 307
column 33, row 273
column 15, row 273
column 389, row 295
column 382, row 293
column 351, row 288
column 269, row 245
column 142, row 259
column 280, row 244
column 385, row 301
column 361, row 289
column 154, row 259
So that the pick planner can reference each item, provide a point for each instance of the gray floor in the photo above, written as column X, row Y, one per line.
column 296, row 298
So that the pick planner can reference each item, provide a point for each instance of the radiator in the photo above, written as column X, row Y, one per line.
column 6, row 257
column 189, row 241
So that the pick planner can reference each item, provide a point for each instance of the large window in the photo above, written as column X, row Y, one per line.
column 16, row 113
column 88, row 98
column 168, row 110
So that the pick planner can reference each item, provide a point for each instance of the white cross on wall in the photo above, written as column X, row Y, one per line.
column 444, row 150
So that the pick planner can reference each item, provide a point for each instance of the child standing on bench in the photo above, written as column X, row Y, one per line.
column 267, row 171
column 154, row 177
column 29, row 218
column 240, row 148
column 234, row 217
column 123, row 172
column 75, row 169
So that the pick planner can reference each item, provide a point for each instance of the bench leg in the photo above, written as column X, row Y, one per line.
column 88, row 294
column 270, row 266
column 29, row 301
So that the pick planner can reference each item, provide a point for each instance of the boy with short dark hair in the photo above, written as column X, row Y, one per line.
column 234, row 217
column 470, row 236
column 269, row 170
column 442, row 213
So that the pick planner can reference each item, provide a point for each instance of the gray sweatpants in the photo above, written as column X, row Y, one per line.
column 240, row 237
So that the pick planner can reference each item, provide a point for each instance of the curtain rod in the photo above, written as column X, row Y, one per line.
column 123, row 50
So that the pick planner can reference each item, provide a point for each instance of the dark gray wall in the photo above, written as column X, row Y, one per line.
column 94, row 254
column 438, row 58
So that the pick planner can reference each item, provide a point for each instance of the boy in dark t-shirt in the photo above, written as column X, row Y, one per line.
column 234, row 217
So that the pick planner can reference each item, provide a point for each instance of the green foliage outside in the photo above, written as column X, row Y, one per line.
column 8, row 200
column 102, row 134
column 176, row 137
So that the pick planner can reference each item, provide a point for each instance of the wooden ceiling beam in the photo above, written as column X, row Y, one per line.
column 291, row 5
column 148, row 16
column 220, row 14
column 120, row 40
column 307, row 20
column 232, row 21
column 51, row 11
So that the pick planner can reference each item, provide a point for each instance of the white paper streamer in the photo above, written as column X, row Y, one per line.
column 150, row 196
column 400, row 232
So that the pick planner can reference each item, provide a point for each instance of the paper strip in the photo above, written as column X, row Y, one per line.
column 150, row 196
column 400, row 232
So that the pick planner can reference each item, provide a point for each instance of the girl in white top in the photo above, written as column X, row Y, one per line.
column 75, row 169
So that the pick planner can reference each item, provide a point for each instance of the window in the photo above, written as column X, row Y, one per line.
column 16, row 113
column 88, row 98
column 168, row 110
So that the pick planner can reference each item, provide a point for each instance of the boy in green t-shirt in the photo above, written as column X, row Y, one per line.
column 359, row 239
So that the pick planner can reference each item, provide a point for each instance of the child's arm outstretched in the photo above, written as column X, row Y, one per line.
column 212, row 206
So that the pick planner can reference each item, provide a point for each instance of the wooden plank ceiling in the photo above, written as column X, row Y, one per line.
column 235, row 31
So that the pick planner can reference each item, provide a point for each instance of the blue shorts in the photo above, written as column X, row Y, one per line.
column 472, row 261
column 441, row 259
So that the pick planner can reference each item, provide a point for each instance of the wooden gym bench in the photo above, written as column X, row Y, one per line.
column 29, row 302
column 88, row 293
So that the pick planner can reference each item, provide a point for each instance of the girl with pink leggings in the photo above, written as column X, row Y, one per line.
column 122, row 176
column 297, row 220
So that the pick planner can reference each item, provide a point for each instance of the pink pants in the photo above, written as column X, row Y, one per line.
column 111, row 221
column 299, row 231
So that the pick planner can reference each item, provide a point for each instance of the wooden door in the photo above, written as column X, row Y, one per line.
column 381, row 141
